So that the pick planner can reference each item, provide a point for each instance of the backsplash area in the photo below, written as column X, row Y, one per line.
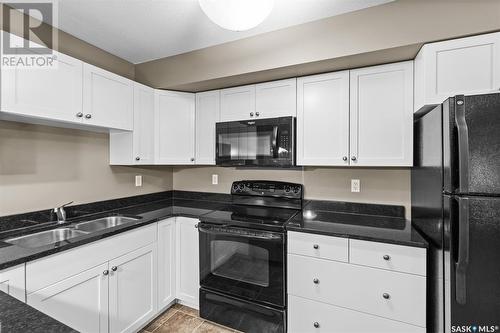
column 382, row 185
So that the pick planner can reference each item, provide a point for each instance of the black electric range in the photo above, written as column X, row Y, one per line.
column 243, row 256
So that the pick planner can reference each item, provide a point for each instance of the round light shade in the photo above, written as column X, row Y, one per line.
column 237, row 15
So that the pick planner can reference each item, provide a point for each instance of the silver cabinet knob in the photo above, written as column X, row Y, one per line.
column 316, row 324
column 386, row 295
column 137, row 158
column 315, row 281
column 316, row 246
column 114, row 268
column 196, row 225
column 257, row 114
column 387, row 257
column 192, row 159
column 353, row 158
column 88, row 116
column 344, row 158
column 79, row 114
column 106, row 272
column 251, row 114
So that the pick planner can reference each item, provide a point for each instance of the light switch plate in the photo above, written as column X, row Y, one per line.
column 355, row 185
column 138, row 180
column 215, row 179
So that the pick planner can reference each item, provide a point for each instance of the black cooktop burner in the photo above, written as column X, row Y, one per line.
column 251, row 216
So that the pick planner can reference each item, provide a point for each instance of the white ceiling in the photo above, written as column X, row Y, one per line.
column 142, row 30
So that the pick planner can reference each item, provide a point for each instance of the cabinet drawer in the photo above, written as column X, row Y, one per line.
column 399, row 258
column 383, row 293
column 304, row 315
column 318, row 246
column 46, row 271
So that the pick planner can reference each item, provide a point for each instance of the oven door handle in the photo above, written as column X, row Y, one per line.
column 262, row 236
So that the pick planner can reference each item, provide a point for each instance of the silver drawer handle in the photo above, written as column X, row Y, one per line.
column 387, row 257
column 386, row 295
column 315, row 281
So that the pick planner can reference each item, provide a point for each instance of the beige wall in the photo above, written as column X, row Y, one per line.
column 386, row 186
column 42, row 167
column 390, row 32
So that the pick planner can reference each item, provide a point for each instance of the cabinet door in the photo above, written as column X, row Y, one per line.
column 276, row 99
column 132, row 289
column 12, row 282
column 323, row 119
column 188, row 269
column 237, row 103
column 207, row 114
column 80, row 301
column 108, row 99
column 144, row 103
column 166, row 262
column 51, row 93
column 460, row 66
column 174, row 137
column 381, row 112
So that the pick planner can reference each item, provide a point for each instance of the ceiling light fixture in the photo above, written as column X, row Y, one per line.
column 237, row 15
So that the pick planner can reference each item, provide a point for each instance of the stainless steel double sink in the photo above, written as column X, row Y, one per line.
column 66, row 233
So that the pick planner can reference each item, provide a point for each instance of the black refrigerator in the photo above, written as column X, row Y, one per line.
column 456, row 205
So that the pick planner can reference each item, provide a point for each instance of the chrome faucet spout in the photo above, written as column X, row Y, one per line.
column 61, row 213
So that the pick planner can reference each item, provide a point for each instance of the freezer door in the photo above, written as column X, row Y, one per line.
column 472, row 257
column 471, row 146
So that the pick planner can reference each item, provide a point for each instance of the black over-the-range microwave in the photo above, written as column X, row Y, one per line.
column 262, row 142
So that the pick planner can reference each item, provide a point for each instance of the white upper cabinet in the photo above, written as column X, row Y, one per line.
column 460, row 66
column 45, row 93
column 381, row 115
column 276, row 99
column 323, row 119
column 108, row 99
column 144, row 120
column 237, row 103
column 207, row 114
column 175, row 127
column 136, row 147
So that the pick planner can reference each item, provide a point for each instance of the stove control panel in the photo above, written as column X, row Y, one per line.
column 267, row 188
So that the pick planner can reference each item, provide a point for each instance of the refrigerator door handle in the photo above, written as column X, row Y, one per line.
column 463, row 143
column 463, row 251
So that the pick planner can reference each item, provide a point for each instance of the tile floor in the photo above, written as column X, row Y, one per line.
column 182, row 319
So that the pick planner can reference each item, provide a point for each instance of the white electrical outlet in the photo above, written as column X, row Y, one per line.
column 215, row 179
column 138, row 180
column 355, row 185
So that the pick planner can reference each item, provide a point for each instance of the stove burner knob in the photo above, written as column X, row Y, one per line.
column 296, row 190
column 241, row 187
column 235, row 187
column 287, row 189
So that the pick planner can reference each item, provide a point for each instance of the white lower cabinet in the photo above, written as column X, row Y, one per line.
column 310, row 316
column 132, row 289
column 80, row 301
column 335, row 293
column 166, row 262
column 12, row 282
column 187, row 257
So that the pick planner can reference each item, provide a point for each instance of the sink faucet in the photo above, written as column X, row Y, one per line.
column 61, row 213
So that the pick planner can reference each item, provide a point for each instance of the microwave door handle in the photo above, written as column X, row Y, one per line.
column 463, row 251
column 275, row 141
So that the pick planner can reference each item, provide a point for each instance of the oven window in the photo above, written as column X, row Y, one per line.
column 240, row 261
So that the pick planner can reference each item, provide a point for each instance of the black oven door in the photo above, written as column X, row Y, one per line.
column 244, row 263
column 263, row 142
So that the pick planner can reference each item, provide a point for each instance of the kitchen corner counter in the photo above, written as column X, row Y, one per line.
column 16, row 316
column 378, row 223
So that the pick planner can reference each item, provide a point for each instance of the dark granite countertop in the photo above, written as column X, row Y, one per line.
column 16, row 316
column 380, row 223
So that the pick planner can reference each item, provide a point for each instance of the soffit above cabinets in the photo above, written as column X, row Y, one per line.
column 142, row 30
